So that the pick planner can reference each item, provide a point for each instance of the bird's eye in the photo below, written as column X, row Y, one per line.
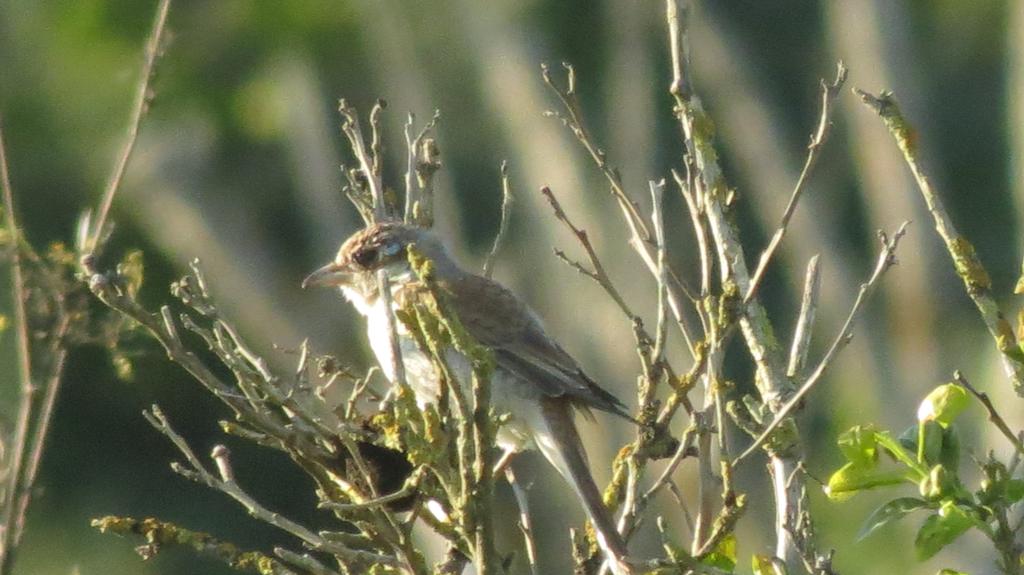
column 365, row 257
column 391, row 249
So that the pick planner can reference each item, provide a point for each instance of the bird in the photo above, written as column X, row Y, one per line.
column 535, row 380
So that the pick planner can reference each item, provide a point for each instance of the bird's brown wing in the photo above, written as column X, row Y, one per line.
column 499, row 320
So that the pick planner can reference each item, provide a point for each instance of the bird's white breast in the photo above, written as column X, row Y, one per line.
column 422, row 377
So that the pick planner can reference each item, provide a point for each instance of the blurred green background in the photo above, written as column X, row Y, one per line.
column 237, row 165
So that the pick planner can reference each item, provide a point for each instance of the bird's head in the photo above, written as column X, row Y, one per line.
column 380, row 246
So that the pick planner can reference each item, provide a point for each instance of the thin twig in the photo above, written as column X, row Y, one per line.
column 658, row 219
column 143, row 98
column 640, row 236
column 684, row 450
column 376, row 148
column 59, row 352
column 397, row 365
column 993, row 415
column 506, row 214
column 886, row 259
column 574, row 122
column 196, row 471
column 305, row 561
column 805, row 321
column 19, row 438
column 421, row 163
column 408, row 489
column 713, row 190
column 599, row 274
column 829, row 92
column 968, row 266
column 525, row 525
column 352, row 131
column 699, row 231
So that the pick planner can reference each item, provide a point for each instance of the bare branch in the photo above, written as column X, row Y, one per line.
column 993, row 415
column 376, row 147
column 805, row 321
column 9, row 522
column 715, row 195
column 422, row 162
column 143, row 98
column 599, row 274
column 350, row 128
column 886, row 259
column 699, row 231
column 397, row 365
column 574, row 122
column 640, row 236
column 227, row 485
column 829, row 92
column 305, row 561
column 159, row 534
column 968, row 266
column 506, row 214
column 525, row 525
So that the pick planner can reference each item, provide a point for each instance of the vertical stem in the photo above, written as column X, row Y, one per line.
column 8, row 521
column 143, row 95
column 772, row 383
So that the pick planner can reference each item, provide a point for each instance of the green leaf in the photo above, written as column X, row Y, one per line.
column 950, row 456
column 858, row 445
column 930, row 435
column 942, row 529
column 943, row 404
column 852, row 478
column 900, row 454
column 763, row 565
column 724, row 555
column 1014, row 490
column 891, row 511
column 951, row 572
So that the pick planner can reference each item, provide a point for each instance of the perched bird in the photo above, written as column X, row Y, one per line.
column 535, row 380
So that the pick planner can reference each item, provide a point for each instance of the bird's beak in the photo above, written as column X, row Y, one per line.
column 331, row 274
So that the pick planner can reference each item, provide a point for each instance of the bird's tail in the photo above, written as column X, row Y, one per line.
column 560, row 443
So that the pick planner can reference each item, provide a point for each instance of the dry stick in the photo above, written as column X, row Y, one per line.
column 685, row 449
column 226, row 484
column 805, row 321
column 19, row 442
column 417, row 187
column 525, row 525
column 790, row 496
column 993, row 415
column 965, row 261
column 58, row 350
column 506, row 212
column 411, row 190
column 305, row 561
column 653, row 365
column 376, row 148
column 598, row 274
column 350, row 127
column 658, row 219
column 410, row 486
column 397, row 365
column 828, row 96
column 640, row 236
column 696, row 219
column 143, row 97
column 575, row 123
column 886, row 259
